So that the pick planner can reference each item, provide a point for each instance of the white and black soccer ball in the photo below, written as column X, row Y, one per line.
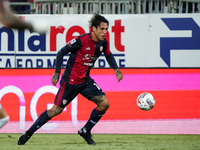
column 146, row 101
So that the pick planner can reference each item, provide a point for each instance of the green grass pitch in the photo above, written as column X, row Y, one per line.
column 104, row 142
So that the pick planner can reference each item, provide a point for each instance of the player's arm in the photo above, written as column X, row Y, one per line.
column 75, row 45
column 59, row 59
column 8, row 19
column 111, row 61
column 11, row 21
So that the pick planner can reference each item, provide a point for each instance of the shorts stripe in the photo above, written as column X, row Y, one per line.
column 60, row 94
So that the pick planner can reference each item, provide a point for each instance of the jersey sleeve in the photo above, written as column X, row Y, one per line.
column 107, row 49
column 73, row 45
column 110, row 58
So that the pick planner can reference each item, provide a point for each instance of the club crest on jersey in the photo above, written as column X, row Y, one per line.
column 71, row 42
column 101, row 48
column 64, row 101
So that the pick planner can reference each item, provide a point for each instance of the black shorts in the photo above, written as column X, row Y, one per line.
column 67, row 92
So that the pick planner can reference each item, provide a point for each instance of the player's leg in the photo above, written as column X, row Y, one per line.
column 94, row 93
column 3, row 117
column 41, row 120
column 96, row 114
column 44, row 117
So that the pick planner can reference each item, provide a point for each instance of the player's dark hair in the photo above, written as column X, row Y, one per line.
column 97, row 19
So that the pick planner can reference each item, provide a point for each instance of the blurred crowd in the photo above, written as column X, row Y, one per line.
column 118, row 7
column 21, row 9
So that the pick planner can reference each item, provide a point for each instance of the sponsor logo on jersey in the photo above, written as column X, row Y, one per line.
column 88, row 64
column 88, row 48
column 87, row 57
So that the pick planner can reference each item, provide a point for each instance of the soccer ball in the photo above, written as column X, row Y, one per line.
column 145, row 101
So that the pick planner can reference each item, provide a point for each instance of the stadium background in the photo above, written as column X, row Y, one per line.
column 144, row 48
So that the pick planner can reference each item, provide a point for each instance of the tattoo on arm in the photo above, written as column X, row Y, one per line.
column 56, row 75
column 97, row 99
column 118, row 72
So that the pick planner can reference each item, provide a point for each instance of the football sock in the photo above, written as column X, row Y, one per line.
column 95, row 116
column 41, row 120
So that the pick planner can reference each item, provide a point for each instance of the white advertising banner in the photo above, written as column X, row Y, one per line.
column 152, row 40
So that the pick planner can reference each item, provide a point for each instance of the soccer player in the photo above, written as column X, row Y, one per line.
column 84, row 51
column 3, row 117
column 8, row 19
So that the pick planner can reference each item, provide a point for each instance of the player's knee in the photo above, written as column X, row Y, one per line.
column 3, row 121
column 107, row 105
column 104, row 106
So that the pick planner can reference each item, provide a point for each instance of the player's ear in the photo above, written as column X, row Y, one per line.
column 93, row 28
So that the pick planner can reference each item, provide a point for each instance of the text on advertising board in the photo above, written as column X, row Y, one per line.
column 30, row 49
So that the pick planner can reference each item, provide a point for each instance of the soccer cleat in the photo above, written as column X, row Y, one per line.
column 86, row 135
column 23, row 138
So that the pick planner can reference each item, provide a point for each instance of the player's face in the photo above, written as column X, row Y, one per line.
column 100, row 32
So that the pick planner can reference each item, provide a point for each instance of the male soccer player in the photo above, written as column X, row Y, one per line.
column 9, row 20
column 3, row 117
column 84, row 51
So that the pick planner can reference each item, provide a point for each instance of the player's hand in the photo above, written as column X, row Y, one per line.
column 40, row 26
column 119, row 75
column 55, row 78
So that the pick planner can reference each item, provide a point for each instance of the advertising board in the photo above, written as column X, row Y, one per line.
column 149, row 40
column 26, row 93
